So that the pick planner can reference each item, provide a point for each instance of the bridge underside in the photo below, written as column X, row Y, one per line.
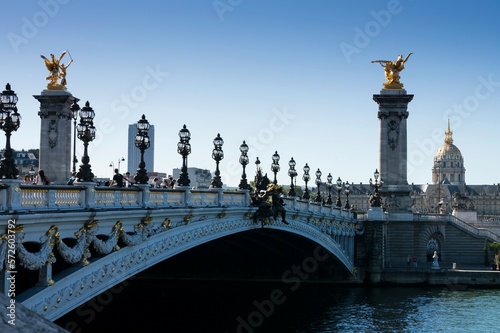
column 259, row 254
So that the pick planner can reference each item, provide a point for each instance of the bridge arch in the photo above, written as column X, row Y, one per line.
column 72, row 289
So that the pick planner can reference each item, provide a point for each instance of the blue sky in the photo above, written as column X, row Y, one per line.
column 287, row 76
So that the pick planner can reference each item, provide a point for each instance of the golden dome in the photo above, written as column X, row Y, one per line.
column 448, row 150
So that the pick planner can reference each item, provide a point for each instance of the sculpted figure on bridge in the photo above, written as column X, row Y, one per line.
column 57, row 71
column 266, row 209
column 392, row 69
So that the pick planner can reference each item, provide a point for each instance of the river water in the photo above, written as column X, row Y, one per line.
column 203, row 307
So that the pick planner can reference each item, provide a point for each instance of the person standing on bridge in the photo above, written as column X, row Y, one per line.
column 41, row 179
column 117, row 179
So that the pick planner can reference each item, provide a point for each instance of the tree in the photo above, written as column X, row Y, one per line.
column 495, row 247
column 486, row 254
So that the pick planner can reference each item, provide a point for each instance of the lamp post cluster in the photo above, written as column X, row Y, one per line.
column 86, row 133
column 292, row 173
column 10, row 120
column 142, row 141
column 184, row 149
column 244, row 161
column 217, row 155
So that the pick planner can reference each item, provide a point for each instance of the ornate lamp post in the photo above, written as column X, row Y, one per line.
column 142, row 142
column 339, row 189
column 244, row 161
column 329, row 179
column 74, row 111
column 10, row 121
column 86, row 133
column 184, row 149
column 318, row 184
column 275, row 166
column 346, row 191
column 292, row 173
column 375, row 200
column 306, row 178
column 217, row 155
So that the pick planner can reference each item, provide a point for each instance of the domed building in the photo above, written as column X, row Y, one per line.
column 448, row 192
column 448, row 163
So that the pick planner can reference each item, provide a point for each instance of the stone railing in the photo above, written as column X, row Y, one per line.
column 15, row 197
column 478, row 232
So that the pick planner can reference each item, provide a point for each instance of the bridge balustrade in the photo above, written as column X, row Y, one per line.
column 25, row 198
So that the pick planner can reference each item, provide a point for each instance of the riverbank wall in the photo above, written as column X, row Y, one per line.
column 458, row 278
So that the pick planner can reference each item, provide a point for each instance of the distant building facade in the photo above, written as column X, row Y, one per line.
column 448, row 189
column 134, row 154
column 200, row 178
column 26, row 161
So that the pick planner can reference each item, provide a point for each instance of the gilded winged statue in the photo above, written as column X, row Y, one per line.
column 57, row 71
column 392, row 69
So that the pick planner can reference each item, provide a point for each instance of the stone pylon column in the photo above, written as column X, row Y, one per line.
column 393, row 112
column 55, row 134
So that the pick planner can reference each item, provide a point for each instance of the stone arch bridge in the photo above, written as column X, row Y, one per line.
column 76, row 242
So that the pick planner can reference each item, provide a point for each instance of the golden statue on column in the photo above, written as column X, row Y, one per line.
column 392, row 69
column 57, row 76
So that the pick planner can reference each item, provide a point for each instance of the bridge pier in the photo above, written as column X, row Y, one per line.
column 13, row 194
column 55, row 134
column 393, row 113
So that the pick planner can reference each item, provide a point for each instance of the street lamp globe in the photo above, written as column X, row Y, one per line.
column 86, row 133
column 318, row 184
column 184, row 149
column 339, row 189
column 306, row 177
column 292, row 173
column 329, row 180
column 217, row 155
column 142, row 142
column 244, row 162
column 275, row 166
column 10, row 120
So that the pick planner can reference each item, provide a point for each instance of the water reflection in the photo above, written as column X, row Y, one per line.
column 175, row 306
